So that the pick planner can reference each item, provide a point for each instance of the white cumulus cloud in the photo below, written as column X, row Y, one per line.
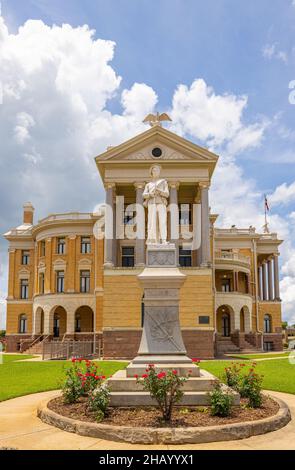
column 56, row 84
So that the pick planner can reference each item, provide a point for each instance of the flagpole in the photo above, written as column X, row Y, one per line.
column 265, row 227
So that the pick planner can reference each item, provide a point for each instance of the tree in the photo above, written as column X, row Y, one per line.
column 284, row 325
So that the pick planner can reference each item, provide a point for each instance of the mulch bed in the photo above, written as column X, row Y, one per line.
column 151, row 417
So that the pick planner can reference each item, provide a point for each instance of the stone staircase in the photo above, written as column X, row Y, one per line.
column 224, row 345
column 37, row 346
column 125, row 392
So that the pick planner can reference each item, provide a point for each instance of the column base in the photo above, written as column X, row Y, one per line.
column 108, row 265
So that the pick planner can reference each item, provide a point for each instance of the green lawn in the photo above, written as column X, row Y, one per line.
column 23, row 378
column 279, row 374
column 8, row 358
column 260, row 356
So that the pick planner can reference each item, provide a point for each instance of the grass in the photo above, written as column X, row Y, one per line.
column 279, row 374
column 260, row 356
column 22, row 378
column 8, row 358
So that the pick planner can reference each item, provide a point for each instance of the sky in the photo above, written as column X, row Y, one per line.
column 78, row 76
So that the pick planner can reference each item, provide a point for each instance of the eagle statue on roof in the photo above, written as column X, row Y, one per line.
column 156, row 119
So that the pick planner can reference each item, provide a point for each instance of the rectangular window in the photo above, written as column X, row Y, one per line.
column 225, row 285
column 61, row 246
column 204, row 320
column 127, row 256
column 84, row 281
column 85, row 245
column 25, row 257
column 129, row 215
column 23, row 324
column 185, row 257
column 60, row 277
column 41, row 283
column 42, row 248
column 268, row 346
column 24, row 289
column 185, row 214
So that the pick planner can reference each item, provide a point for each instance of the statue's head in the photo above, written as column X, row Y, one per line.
column 155, row 171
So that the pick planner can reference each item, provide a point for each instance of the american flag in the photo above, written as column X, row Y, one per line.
column 266, row 206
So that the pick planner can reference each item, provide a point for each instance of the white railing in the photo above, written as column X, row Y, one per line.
column 227, row 255
column 67, row 216
column 244, row 231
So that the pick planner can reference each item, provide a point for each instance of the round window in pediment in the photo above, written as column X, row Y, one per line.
column 157, row 152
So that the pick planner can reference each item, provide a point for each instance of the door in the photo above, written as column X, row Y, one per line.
column 225, row 325
column 56, row 327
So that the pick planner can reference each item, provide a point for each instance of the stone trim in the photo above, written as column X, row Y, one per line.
column 190, row 435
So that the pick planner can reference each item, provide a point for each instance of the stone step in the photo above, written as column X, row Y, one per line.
column 182, row 369
column 193, row 384
column 132, row 399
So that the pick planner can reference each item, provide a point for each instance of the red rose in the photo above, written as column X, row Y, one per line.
column 135, row 376
column 174, row 372
column 144, row 376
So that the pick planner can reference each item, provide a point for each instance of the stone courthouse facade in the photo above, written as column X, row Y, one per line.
column 66, row 283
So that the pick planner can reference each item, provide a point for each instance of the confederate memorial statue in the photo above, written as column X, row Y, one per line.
column 155, row 197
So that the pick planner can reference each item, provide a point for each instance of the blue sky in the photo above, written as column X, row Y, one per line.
column 237, row 48
column 168, row 42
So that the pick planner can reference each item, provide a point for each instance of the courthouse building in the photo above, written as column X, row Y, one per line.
column 65, row 283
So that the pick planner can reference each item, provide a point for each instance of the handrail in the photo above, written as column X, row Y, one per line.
column 232, row 256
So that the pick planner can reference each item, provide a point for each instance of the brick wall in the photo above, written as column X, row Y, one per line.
column 124, row 344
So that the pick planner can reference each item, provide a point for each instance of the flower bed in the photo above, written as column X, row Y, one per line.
column 151, row 417
column 204, row 430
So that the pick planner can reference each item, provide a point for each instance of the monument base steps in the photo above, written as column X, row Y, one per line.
column 125, row 392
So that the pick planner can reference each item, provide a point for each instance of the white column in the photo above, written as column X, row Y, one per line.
column 174, row 216
column 237, row 319
column 140, row 229
column 264, row 280
column 270, row 280
column 70, row 321
column 276, row 277
column 205, row 242
column 48, row 322
column 260, row 282
column 109, row 226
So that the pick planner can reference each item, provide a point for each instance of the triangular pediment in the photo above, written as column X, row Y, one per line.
column 173, row 147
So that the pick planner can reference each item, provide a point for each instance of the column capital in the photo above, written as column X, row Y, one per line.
column 110, row 185
column 139, row 184
column 204, row 184
column 174, row 184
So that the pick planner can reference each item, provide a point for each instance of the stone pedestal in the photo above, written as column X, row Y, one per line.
column 161, row 343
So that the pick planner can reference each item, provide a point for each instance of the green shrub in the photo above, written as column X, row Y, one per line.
column 72, row 388
column 98, row 401
column 232, row 375
column 221, row 401
column 165, row 387
column 250, row 387
column 81, row 378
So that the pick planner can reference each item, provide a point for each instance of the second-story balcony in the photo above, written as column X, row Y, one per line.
column 228, row 258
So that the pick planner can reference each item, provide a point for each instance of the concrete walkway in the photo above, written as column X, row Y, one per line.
column 21, row 429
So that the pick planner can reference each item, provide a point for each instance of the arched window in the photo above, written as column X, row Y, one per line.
column 267, row 323
column 23, row 323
